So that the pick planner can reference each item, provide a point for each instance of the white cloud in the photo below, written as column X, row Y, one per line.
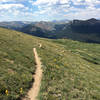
column 4, row 0
column 83, row 13
column 11, row 0
column 78, row 2
column 64, row 7
column 52, row 8
column 9, row 6
column 63, row 1
column 50, row 2
column 95, row 2
column 12, row 9
column 7, row 0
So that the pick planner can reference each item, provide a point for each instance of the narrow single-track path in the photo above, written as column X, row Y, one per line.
column 33, row 92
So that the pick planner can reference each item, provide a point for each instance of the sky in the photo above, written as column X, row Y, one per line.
column 48, row 10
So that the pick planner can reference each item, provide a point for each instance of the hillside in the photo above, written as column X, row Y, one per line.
column 16, row 64
column 71, row 69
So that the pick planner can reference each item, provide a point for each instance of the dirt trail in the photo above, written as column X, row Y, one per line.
column 33, row 92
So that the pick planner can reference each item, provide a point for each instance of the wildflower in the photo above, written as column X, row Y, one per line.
column 21, row 90
column 6, row 92
column 57, row 66
column 55, row 60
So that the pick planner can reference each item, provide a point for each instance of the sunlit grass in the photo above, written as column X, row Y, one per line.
column 71, row 69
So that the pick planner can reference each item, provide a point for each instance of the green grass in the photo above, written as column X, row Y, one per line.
column 71, row 69
column 16, row 63
column 89, row 52
column 67, row 75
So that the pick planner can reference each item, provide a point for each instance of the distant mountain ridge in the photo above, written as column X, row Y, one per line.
column 88, row 26
column 81, row 30
column 14, row 24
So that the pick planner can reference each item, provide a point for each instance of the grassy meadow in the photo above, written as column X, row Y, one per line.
column 16, row 64
column 70, row 73
column 71, row 69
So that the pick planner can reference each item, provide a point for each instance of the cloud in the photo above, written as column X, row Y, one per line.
column 9, row 6
column 51, row 6
column 67, row 7
column 50, row 2
column 55, row 2
column 1, row 1
column 83, row 13
column 5, row 0
column 50, row 9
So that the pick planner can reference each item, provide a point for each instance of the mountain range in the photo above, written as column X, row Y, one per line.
column 81, row 30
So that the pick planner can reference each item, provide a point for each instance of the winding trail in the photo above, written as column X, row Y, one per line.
column 33, row 92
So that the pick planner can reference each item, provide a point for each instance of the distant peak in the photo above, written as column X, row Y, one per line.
column 92, row 19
